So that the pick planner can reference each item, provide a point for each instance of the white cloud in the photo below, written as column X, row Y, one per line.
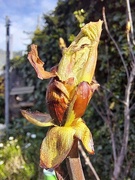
column 23, row 16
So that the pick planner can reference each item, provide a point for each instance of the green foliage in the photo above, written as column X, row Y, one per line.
column 19, row 156
column 80, row 16
column 12, row 164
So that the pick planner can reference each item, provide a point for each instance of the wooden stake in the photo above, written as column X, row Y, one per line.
column 74, row 164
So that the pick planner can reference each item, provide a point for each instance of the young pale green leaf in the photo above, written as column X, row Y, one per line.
column 38, row 118
column 79, row 59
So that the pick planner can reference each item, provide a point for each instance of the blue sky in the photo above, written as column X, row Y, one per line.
column 23, row 15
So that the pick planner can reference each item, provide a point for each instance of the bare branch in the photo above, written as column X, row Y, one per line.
column 130, row 78
column 98, row 111
column 129, row 164
column 123, row 151
column 132, row 107
column 116, row 45
column 87, row 161
column 108, row 90
column 110, row 129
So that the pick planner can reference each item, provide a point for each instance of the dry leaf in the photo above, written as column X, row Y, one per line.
column 38, row 64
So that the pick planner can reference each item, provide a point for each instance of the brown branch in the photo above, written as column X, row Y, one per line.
column 87, row 162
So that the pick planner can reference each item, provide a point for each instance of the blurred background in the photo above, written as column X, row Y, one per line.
column 111, row 112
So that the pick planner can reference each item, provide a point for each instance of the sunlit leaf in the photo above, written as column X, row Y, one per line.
column 81, row 98
column 84, row 134
column 79, row 59
column 70, row 115
column 56, row 146
column 37, row 118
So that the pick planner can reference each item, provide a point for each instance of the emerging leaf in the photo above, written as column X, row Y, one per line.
column 57, row 99
column 83, row 133
column 37, row 118
column 56, row 146
column 79, row 59
column 78, row 104
column 83, row 94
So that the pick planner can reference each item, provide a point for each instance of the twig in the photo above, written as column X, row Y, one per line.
column 116, row 45
column 110, row 129
column 98, row 111
column 126, row 114
column 87, row 161
column 108, row 90
column 130, row 78
column 123, row 151
column 132, row 107
column 129, row 164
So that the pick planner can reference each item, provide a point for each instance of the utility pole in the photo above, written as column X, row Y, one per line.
column 7, row 72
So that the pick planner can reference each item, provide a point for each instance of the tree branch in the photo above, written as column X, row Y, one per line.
column 87, row 162
column 123, row 151
column 107, row 121
column 130, row 78
column 116, row 45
